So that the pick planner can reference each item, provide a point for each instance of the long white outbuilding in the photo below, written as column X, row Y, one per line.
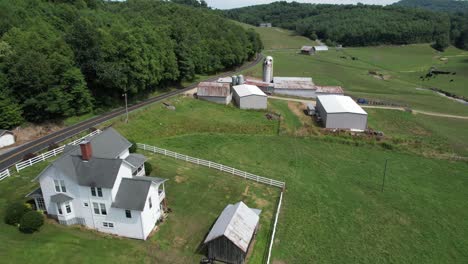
column 341, row 112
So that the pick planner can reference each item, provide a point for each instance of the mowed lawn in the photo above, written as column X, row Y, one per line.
column 196, row 195
column 334, row 210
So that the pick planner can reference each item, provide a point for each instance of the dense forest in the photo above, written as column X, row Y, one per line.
column 64, row 58
column 360, row 25
column 436, row 5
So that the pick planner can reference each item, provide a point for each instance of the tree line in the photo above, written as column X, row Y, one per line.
column 361, row 25
column 64, row 58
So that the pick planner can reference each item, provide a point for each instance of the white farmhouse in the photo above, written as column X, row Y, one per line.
column 100, row 185
column 7, row 138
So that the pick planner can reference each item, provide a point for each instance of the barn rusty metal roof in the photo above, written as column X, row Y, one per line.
column 257, row 82
column 237, row 223
column 306, row 48
column 294, row 83
column 214, row 89
column 329, row 89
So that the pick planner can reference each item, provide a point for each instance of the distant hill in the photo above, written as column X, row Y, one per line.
column 436, row 5
column 350, row 25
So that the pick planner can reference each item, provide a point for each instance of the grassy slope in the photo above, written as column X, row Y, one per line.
column 278, row 38
column 403, row 64
column 333, row 208
column 334, row 211
column 423, row 133
column 196, row 195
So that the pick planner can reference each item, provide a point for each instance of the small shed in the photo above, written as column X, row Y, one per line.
column 320, row 48
column 341, row 112
column 7, row 138
column 265, row 25
column 329, row 90
column 249, row 96
column 215, row 92
column 308, row 50
column 232, row 234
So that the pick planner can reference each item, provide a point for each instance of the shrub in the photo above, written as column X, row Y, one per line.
column 387, row 145
column 148, row 168
column 15, row 211
column 31, row 222
column 133, row 148
column 29, row 156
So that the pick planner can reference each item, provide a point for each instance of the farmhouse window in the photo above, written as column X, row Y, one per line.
column 93, row 191
column 68, row 208
column 128, row 213
column 96, row 208
column 150, row 203
column 103, row 209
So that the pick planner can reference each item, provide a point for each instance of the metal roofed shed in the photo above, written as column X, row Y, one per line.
column 341, row 112
column 216, row 92
column 320, row 48
column 7, row 138
column 295, row 86
column 329, row 90
column 249, row 96
column 307, row 50
column 232, row 234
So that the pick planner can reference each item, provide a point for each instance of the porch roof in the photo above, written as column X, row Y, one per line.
column 60, row 198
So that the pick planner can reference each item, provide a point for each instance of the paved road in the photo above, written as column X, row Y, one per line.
column 12, row 157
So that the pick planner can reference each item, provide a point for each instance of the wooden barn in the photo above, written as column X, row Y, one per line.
column 231, row 236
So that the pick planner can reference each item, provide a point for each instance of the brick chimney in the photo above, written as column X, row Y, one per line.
column 86, row 150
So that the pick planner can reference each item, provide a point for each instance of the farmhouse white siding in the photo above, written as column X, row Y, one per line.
column 6, row 138
column 101, row 203
column 250, row 97
column 341, row 112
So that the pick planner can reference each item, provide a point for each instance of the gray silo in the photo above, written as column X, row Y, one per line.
column 268, row 69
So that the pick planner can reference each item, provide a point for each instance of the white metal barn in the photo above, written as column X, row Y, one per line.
column 341, row 112
column 7, row 138
column 249, row 96
column 215, row 92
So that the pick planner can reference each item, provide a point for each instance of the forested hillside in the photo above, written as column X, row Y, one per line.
column 359, row 25
column 436, row 5
column 66, row 58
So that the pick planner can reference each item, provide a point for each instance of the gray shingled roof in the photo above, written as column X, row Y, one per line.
column 102, row 169
column 96, row 172
column 136, row 160
column 237, row 223
column 60, row 198
column 132, row 192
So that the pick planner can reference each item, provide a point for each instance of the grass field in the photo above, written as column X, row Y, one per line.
column 402, row 67
column 278, row 38
column 196, row 195
column 333, row 212
column 333, row 209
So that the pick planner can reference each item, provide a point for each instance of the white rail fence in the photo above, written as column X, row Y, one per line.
column 213, row 165
column 272, row 240
column 44, row 156
column 4, row 174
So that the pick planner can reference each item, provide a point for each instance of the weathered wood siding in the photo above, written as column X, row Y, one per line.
column 222, row 249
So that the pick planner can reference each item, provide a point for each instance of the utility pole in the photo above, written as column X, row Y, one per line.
column 384, row 174
column 126, row 106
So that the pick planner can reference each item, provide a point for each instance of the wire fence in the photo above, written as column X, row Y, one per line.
column 214, row 165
